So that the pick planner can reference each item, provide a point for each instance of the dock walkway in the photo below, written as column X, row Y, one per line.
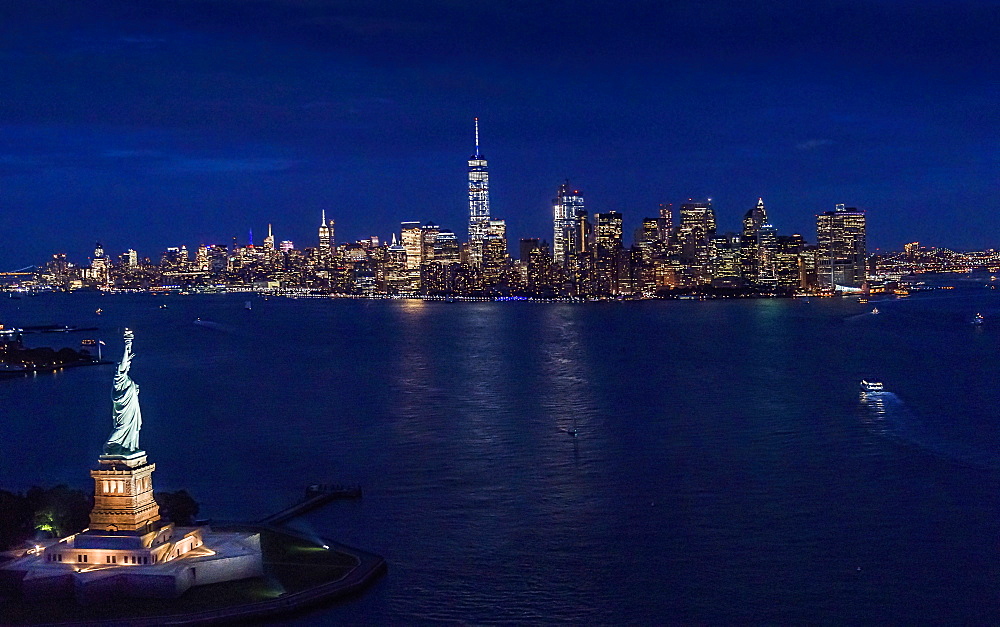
column 317, row 495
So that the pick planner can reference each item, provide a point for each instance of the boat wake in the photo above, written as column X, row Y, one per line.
column 215, row 326
column 864, row 316
column 887, row 415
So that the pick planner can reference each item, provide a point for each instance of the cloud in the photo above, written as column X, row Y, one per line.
column 157, row 160
column 814, row 144
column 213, row 166
column 132, row 154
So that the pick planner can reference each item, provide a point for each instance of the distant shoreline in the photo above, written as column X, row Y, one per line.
column 24, row 372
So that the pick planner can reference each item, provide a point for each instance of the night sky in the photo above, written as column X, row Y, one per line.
column 153, row 124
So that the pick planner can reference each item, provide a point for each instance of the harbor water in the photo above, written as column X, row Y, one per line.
column 647, row 462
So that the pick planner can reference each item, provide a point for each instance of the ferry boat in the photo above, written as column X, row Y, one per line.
column 88, row 342
column 871, row 386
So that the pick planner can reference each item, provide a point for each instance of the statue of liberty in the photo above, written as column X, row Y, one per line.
column 124, row 440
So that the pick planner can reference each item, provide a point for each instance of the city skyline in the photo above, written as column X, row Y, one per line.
column 123, row 123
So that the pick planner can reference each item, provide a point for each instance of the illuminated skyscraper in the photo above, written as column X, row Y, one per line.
column 411, row 240
column 767, row 255
column 527, row 245
column 609, row 233
column 694, row 234
column 428, row 237
column 753, row 220
column 840, row 237
column 397, row 277
column 666, row 217
column 608, row 264
column 479, row 202
column 446, row 247
column 101, row 264
column 269, row 240
column 325, row 232
column 494, row 251
column 567, row 208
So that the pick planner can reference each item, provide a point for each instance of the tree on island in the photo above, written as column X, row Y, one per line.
column 178, row 507
column 59, row 511
column 54, row 513
column 16, row 519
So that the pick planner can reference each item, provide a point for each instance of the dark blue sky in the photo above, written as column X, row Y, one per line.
column 152, row 124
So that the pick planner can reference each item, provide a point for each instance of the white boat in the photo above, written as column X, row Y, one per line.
column 978, row 319
column 871, row 386
column 875, row 311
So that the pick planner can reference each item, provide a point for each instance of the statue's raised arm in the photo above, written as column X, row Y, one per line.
column 126, row 362
column 127, row 417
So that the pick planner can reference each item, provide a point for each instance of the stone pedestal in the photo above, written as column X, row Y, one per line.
column 123, row 494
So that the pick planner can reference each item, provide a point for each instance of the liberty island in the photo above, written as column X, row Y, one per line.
column 127, row 550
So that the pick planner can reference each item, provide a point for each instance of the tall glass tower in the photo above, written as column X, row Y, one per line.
column 479, row 202
column 567, row 208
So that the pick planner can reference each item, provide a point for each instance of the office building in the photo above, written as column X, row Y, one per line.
column 840, row 239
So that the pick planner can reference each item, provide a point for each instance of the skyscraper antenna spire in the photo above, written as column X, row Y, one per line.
column 476, row 120
column 322, row 220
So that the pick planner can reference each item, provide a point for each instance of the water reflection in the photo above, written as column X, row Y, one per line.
column 566, row 387
column 873, row 414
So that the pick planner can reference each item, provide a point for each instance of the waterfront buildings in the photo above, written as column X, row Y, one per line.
column 677, row 250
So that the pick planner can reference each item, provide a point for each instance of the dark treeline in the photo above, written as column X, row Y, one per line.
column 43, row 356
column 61, row 511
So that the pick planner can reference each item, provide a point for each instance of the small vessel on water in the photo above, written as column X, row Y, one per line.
column 88, row 342
column 978, row 319
column 247, row 305
column 875, row 311
column 871, row 386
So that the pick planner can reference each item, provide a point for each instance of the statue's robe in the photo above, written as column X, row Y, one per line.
column 126, row 414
